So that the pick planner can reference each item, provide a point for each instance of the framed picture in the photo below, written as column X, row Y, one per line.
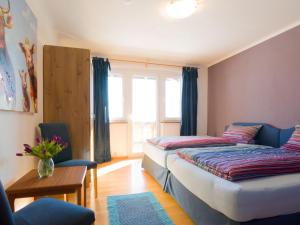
column 18, row 41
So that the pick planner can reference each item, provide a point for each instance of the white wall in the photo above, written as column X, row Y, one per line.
column 17, row 128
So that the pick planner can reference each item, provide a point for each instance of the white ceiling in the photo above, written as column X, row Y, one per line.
column 141, row 30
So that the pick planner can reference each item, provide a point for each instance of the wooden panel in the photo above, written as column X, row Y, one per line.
column 67, row 94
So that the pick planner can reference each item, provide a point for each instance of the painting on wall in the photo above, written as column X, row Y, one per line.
column 18, row 40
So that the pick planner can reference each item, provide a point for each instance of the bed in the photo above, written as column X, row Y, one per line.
column 155, row 157
column 211, row 200
column 155, row 162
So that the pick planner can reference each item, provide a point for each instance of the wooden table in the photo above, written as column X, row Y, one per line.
column 65, row 180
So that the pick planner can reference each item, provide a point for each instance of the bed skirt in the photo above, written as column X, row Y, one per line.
column 158, row 172
column 203, row 214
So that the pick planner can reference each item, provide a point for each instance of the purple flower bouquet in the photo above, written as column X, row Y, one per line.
column 45, row 150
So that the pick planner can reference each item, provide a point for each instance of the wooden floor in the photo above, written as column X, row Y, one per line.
column 125, row 176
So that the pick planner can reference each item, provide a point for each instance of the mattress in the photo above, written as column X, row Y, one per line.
column 240, row 201
column 157, row 155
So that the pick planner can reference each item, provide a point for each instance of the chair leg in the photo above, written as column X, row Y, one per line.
column 95, row 182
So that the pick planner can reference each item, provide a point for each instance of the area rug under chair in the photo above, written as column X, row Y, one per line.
column 136, row 209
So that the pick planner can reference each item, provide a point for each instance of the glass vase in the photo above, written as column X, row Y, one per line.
column 45, row 168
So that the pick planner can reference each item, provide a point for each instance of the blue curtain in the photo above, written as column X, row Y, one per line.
column 189, row 102
column 101, row 122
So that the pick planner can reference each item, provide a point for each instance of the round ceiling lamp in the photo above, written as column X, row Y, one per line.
column 181, row 8
column 128, row 2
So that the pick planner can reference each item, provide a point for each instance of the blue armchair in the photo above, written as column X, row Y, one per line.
column 64, row 159
column 45, row 211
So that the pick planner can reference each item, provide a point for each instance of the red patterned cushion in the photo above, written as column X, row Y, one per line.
column 241, row 134
column 294, row 141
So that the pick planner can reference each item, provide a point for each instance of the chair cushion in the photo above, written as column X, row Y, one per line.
column 77, row 162
column 47, row 211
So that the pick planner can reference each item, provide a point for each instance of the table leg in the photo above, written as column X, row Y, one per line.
column 65, row 197
column 11, row 200
column 95, row 182
column 79, row 196
column 84, row 192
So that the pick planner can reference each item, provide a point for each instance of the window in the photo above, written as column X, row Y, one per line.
column 144, row 111
column 144, row 100
column 115, row 97
column 143, row 103
column 172, row 98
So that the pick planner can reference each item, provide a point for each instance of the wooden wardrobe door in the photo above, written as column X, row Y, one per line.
column 67, row 94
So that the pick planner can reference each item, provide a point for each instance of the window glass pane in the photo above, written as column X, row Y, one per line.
column 144, row 100
column 172, row 98
column 115, row 97
column 144, row 106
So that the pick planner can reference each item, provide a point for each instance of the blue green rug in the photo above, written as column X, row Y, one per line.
column 136, row 209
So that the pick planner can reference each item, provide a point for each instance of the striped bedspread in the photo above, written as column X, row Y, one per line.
column 240, row 162
column 175, row 142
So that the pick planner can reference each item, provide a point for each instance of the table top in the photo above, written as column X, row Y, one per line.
column 63, row 178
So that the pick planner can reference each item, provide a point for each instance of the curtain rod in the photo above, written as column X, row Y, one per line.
column 149, row 63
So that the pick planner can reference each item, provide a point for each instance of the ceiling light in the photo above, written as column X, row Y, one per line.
column 128, row 2
column 181, row 8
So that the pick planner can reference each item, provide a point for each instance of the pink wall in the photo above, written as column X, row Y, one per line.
column 261, row 84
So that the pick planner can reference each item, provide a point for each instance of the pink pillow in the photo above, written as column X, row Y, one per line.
column 241, row 134
column 294, row 141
